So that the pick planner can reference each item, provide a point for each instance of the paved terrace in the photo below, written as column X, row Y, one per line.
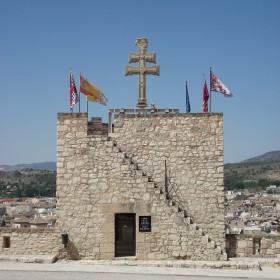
column 238, row 268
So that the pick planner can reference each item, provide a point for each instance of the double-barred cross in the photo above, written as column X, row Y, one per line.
column 142, row 57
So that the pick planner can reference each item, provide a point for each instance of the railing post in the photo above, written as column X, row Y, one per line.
column 110, row 128
column 165, row 179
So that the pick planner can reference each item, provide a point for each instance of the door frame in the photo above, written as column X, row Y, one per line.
column 118, row 252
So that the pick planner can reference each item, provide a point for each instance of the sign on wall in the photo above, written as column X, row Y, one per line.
column 145, row 224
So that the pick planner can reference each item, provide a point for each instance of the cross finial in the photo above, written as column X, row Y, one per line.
column 142, row 57
column 142, row 44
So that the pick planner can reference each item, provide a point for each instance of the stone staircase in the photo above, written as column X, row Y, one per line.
column 129, row 165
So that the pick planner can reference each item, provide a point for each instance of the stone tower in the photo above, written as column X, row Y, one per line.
column 153, row 188
column 149, row 186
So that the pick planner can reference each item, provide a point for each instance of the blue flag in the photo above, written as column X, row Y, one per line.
column 188, row 105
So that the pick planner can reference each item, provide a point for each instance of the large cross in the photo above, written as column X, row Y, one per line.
column 142, row 57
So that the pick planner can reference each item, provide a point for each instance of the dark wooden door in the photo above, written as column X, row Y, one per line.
column 124, row 235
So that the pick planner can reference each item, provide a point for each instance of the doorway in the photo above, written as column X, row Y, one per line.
column 125, row 238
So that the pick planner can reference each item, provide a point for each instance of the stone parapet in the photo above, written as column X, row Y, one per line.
column 30, row 241
column 260, row 245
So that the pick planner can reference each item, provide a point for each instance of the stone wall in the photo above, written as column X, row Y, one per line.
column 27, row 241
column 98, row 177
column 192, row 145
column 253, row 245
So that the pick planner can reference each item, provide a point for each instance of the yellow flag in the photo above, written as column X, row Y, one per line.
column 88, row 89
column 91, row 98
column 92, row 93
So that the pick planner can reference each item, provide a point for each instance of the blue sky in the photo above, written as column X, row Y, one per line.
column 41, row 40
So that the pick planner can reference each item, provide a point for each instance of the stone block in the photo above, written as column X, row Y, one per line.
column 107, row 256
column 270, row 252
column 146, row 197
column 223, row 257
column 107, row 248
column 249, row 251
column 242, row 244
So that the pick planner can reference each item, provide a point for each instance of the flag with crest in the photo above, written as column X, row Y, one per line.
column 205, row 97
column 218, row 86
column 74, row 99
column 92, row 93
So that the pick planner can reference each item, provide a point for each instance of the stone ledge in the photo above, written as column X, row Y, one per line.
column 234, row 265
column 264, row 262
column 29, row 258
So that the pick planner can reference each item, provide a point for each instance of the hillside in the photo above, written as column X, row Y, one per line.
column 265, row 158
column 255, row 173
column 36, row 166
column 27, row 182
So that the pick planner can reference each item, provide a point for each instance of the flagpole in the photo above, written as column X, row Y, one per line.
column 210, row 89
column 186, row 97
column 71, row 111
column 87, row 109
column 79, row 93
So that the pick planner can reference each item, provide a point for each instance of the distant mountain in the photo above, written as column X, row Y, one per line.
column 35, row 166
column 265, row 158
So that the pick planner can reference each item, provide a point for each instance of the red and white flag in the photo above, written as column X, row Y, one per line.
column 205, row 97
column 218, row 86
column 73, row 92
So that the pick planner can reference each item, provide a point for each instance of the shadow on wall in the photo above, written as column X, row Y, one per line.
column 72, row 251
column 231, row 245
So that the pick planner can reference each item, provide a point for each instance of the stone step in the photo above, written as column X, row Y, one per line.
column 127, row 160
column 145, row 178
column 171, row 202
column 133, row 166
column 205, row 238
column 125, row 155
column 188, row 220
column 138, row 173
column 144, row 174
column 151, row 185
column 194, row 226
column 157, row 191
column 183, row 214
column 175, row 208
column 110, row 144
